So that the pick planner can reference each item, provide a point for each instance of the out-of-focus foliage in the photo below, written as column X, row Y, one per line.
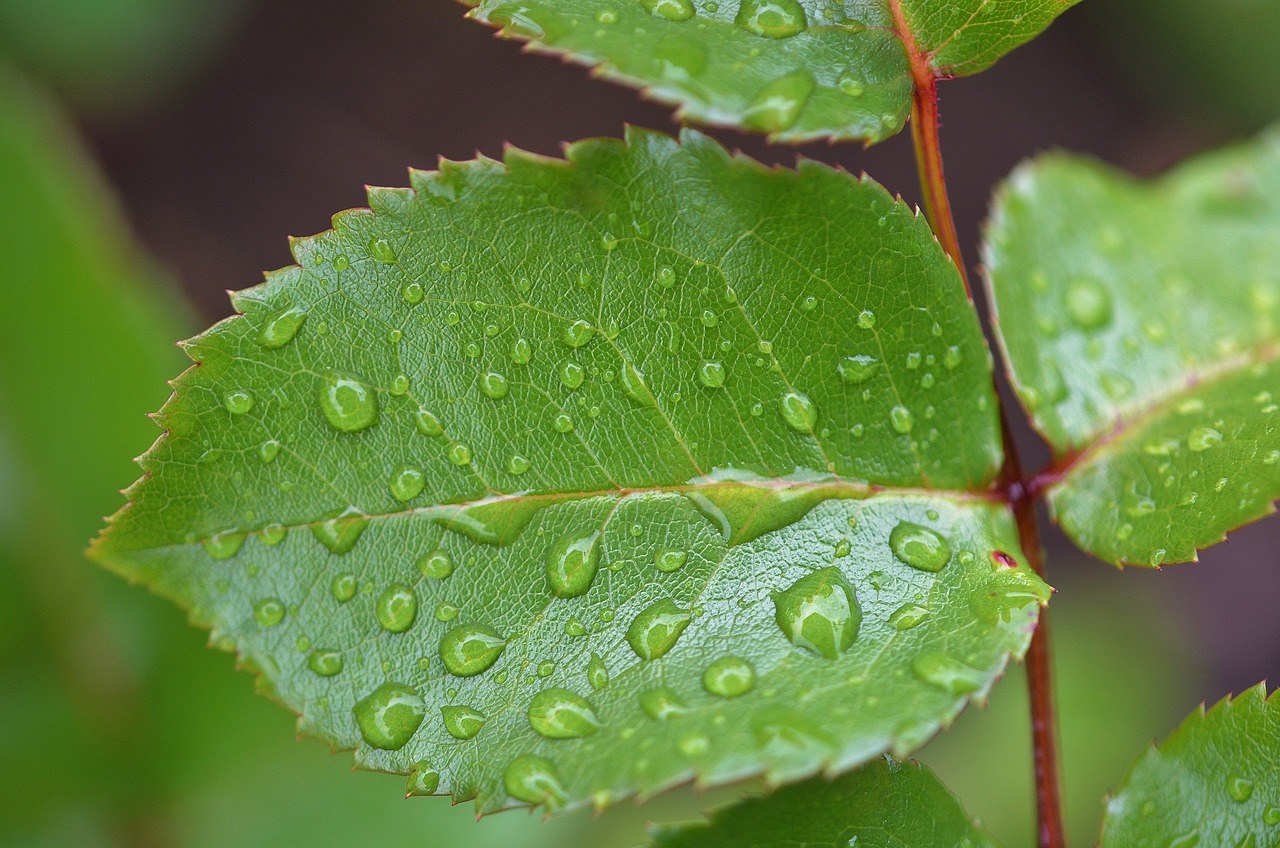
column 114, row 55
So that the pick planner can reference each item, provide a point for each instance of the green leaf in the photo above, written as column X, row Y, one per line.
column 796, row 69
column 884, row 804
column 560, row 481
column 1213, row 782
column 1141, row 325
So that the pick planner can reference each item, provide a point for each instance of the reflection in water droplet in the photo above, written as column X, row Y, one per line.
column 494, row 385
column 901, row 419
column 1204, row 438
column 462, row 722
column 819, row 612
column 224, row 544
column 460, row 454
column 534, row 780
column 343, row 588
column 711, row 374
column 777, row 106
column 273, row 534
column 238, row 401
column 325, row 663
column 269, row 612
column 655, row 630
column 857, row 369
column 633, row 384
column 945, row 673
column 407, row 482
column 729, row 677
column 557, row 713
column 908, row 616
column 672, row 10
column 348, row 404
column 423, row 780
column 669, row 560
column 428, row 424
column 282, row 328
column 772, row 18
column 268, row 451
column 572, row 374
column 396, row 608
column 437, row 565
column 1239, row 788
column 597, row 673
column 572, row 564
column 577, row 334
column 799, row 412
column 919, row 546
column 389, row 716
column 340, row 531
column 471, row 649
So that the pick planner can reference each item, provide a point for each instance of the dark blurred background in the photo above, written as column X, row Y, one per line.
column 154, row 153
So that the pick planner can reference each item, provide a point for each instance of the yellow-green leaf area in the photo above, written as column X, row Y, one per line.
column 568, row 592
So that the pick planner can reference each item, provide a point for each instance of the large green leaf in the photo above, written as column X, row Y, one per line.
column 689, row 457
column 797, row 69
column 1141, row 322
column 1213, row 782
column 884, row 804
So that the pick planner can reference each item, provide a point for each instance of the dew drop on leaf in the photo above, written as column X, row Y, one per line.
column 343, row 588
column 558, row 713
column 669, row 560
column 572, row 564
column 325, row 663
column 534, row 780
column 407, row 482
column 819, row 612
column 946, row 673
column 340, row 531
column 1088, row 304
column 597, row 673
column 462, row 722
column 908, row 616
column 471, row 649
column 423, row 780
column 919, row 547
column 662, row 703
column 494, row 385
column 437, row 565
column 348, row 404
column 396, row 608
column 857, row 369
column 1203, row 438
column 427, row 424
column 729, row 677
column 389, row 716
column 672, row 10
column 269, row 612
column 655, row 630
column 711, row 374
column 799, row 412
column 282, row 328
column 772, row 18
column 901, row 419
column 224, row 544
column 777, row 106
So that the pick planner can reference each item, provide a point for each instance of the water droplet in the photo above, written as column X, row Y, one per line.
column 711, row 374
column 850, row 85
column 694, row 745
column 672, row 10
column 471, row 649
column 224, row 544
column 777, row 106
column 857, row 369
column 460, row 454
column 407, row 482
column 908, row 616
column 268, row 451
column 412, row 293
column 919, row 547
column 799, row 412
column 340, row 531
column 389, row 716
column 446, row 612
column 666, row 278
column 1204, row 438
column 437, row 565
column 901, row 419
column 1271, row 815
column 325, row 663
column 577, row 334
column 597, row 673
column 238, row 401
column 348, row 403
column 562, row 423
column 819, row 612
column 772, row 18
column 343, row 588
column 606, row 16
column 282, row 328
column 572, row 374
column 560, row 714
column 669, row 560
column 269, row 612
column 494, row 385
column 572, row 564
column 423, row 780
column 655, row 630
column 1239, row 788
column 633, row 384
column 945, row 673
column 1088, row 304
column 866, row 319
column 427, row 424
column 462, row 722
column 273, row 534
column 534, row 780
column 518, row 464
column 662, row 703
column 381, row 250
column 729, row 677
column 396, row 608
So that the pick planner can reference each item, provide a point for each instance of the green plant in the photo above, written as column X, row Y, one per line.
column 550, row 482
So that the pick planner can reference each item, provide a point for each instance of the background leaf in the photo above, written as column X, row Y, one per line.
column 882, row 804
column 703, row 455
column 797, row 69
column 1140, row 321
column 1214, row 781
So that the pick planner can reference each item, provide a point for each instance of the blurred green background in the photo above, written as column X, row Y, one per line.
column 156, row 152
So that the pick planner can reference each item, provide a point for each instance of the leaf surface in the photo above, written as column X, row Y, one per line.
column 1214, row 781
column 797, row 69
column 562, row 480
column 1141, row 325
column 884, row 804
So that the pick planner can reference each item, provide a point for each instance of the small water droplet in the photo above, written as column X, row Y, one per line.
column 273, row 534
column 534, row 780
column 460, row 454
column 597, row 673
column 772, row 18
column 494, row 385
column 427, row 424
column 711, row 374
column 1239, row 788
column 325, row 663
column 778, row 104
column 669, row 560
column 901, row 419
column 343, row 587
column 662, row 703
column 423, row 780
column 381, row 250
column 1204, row 438
column 1271, row 815
column 857, row 369
column 577, row 334
column 348, row 404
column 224, row 544
column 521, row 352
column 558, row 713
column 1088, row 304
column 562, row 423
column 633, row 384
column 850, row 85
column 572, row 374
column 946, row 673
column 672, row 10
column 396, row 608
column 518, row 464
column 908, row 616
column 462, row 722
column 407, row 482
column 819, row 612
column 238, row 401
column 269, row 612
column 389, row 716
column 655, row 630
column 866, row 319
column 471, row 649
column 282, row 328
column 666, row 278
column 413, row 293
column 340, row 531
column 572, row 564
column 729, row 677
column 437, row 565
column 268, row 451
column 799, row 412
column 919, row 547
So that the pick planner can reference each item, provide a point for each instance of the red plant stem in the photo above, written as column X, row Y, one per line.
column 1044, row 729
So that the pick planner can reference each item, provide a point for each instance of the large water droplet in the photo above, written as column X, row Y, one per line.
column 396, row 608
column 669, row 560
column 282, row 328
column 534, row 780
column 268, row 612
column 778, row 104
column 729, row 677
column 662, row 703
column 799, row 412
column 494, row 385
column 238, row 401
column 655, row 630
column 1088, row 304
column 711, row 374
column 462, row 722
column 820, row 612
column 325, row 663
column 672, row 10
column 407, row 482
column 633, row 384
column 437, row 565
column 945, row 673
column 340, row 531
column 471, row 649
column 1239, row 788
column 908, row 616
column 919, row 547
column 772, row 18
column 572, row 564
column 224, row 544
column 423, row 780
column 348, row 403
column 560, row 714
column 389, row 716
column 857, row 369
column 901, row 419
